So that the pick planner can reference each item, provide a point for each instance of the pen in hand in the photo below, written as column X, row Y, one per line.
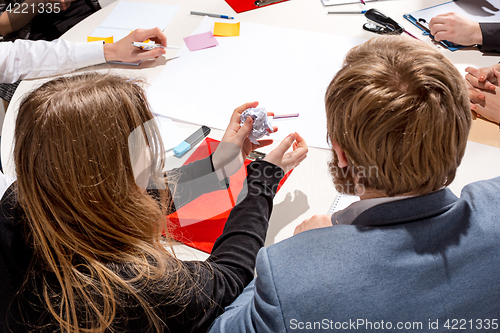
column 153, row 45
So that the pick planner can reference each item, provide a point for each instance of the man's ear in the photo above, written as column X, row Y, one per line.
column 340, row 154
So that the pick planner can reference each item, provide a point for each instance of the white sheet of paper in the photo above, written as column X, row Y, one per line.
column 128, row 16
column 342, row 201
column 478, row 11
column 171, row 134
column 286, row 70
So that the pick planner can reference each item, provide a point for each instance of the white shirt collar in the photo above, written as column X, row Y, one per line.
column 347, row 215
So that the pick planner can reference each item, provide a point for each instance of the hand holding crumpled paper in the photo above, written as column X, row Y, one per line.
column 262, row 124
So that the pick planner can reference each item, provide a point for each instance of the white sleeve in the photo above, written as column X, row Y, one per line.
column 5, row 182
column 25, row 59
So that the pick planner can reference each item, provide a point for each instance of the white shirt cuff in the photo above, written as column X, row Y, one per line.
column 89, row 54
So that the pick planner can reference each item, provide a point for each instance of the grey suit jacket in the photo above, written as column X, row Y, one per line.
column 429, row 263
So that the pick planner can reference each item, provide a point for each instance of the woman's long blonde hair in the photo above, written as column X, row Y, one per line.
column 85, row 214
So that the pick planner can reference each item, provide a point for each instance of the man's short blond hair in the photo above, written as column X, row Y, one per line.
column 400, row 106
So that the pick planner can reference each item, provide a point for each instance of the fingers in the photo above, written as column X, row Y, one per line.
column 154, row 34
column 290, row 160
column 483, row 75
column 303, row 157
column 474, row 72
column 300, row 228
column 301, row 143
column 314, row 222
column 234, row 122
column 476, row 83
column 239, row 110
column 299, row 152
column 486, row 76
column 476, row 96
column 473, row 111
column 243, row 131
column 300, row 149
column 439, row 26
column 439, row 19
column 441, row 35
column 497, row 77
column 151, row 53
column 285, row 145
column 489, row 107
column 263, row 143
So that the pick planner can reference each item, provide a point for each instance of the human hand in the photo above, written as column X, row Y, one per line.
column 288, row 161
column 315, row 222
column 483, row 78
column 235, row 146
column 478, row 89
column 487, row 105
column 456, row 29
column 123, row 50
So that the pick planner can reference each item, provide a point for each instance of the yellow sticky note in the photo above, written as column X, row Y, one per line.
column 95, row 39
column 226, row 29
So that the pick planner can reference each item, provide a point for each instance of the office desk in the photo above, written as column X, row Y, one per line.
column 309, row 190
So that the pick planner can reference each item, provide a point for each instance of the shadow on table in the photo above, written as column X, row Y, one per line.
column 285, row 212
column 147, row 63
column 160, row 61
column 478, row 7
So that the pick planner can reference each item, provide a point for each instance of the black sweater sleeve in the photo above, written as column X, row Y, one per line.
column 230, row 267
column 491, row 40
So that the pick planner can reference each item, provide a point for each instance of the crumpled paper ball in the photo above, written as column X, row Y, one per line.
column 262, row 124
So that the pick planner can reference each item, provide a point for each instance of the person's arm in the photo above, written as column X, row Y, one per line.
column 257, row 309
column 490, row 40
column 26, row 59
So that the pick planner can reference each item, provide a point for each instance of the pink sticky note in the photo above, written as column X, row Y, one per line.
column 200, row 41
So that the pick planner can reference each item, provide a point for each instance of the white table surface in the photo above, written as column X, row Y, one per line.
column 309, row 190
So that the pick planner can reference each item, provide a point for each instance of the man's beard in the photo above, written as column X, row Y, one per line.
column 343, row 178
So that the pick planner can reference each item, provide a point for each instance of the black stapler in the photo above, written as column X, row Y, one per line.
column 380, row 23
